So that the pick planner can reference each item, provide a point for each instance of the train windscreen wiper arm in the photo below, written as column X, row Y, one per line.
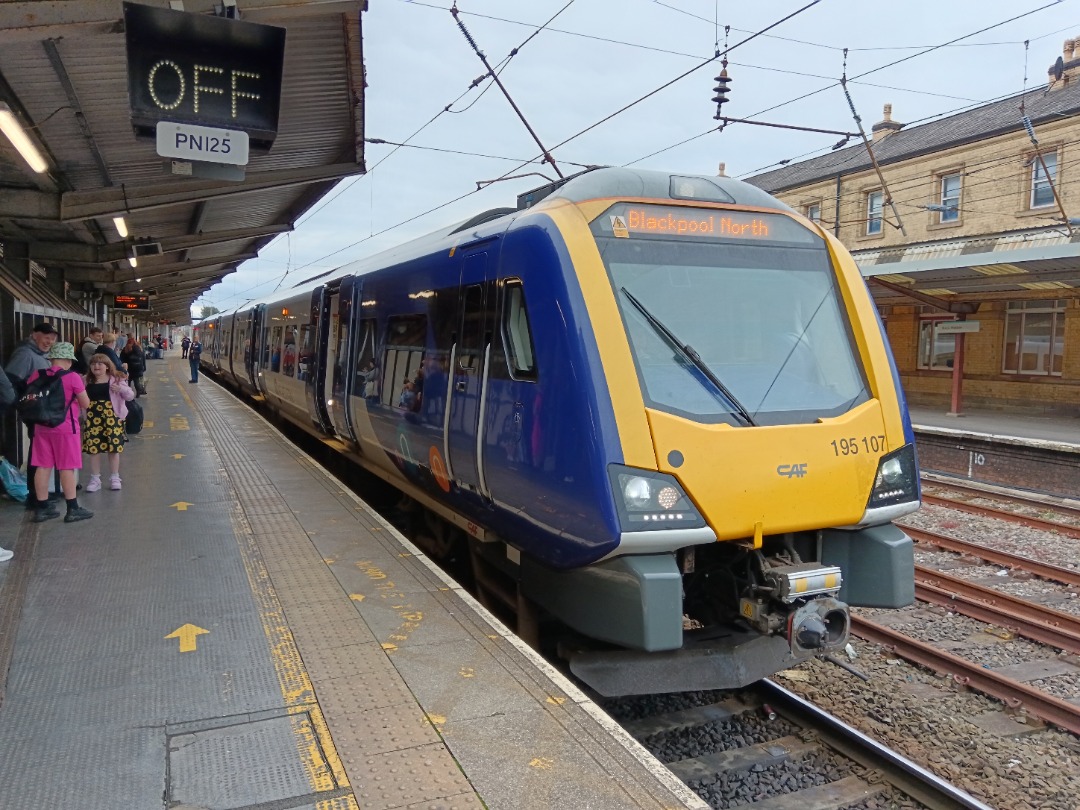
column 687, row 351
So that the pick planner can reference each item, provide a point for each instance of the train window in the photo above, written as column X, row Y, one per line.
column 402, row 378
column 307, row 349
column 472, row 327
column 288, row 351
column 367, row 383
column 517, row 335
column 265, row 361
column 275, row 349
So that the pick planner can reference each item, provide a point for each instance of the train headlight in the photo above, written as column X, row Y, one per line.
column 650, row 501
column 897, row 479
column 636, row 491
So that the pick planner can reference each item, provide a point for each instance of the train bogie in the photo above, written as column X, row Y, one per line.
column 662, row 406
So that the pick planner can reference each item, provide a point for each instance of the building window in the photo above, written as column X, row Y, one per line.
column 874, row 202
column 1042, row 192
column 950, row 198
column 936, row 351
column 813, row 212
column 1034, row 337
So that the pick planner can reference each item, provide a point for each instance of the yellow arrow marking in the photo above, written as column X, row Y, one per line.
column 187, row 635
column 181, row 506
column 178, row 455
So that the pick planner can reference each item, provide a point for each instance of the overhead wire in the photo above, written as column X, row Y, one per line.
column 762, row 32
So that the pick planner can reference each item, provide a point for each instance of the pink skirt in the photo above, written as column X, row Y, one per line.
column 57, row 448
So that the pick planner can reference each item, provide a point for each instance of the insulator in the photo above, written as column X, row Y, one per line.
column 721, row 90
column 1030, row 129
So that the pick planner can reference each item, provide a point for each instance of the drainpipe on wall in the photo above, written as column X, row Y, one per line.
column 836, row 208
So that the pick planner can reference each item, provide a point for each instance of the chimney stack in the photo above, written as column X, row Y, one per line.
column 886, row 126
column 722, row 171
column 1067, row 67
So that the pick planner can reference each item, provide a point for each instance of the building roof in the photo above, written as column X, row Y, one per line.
column 980, row 123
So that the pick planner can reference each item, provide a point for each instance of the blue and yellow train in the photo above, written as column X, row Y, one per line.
column 661, row 406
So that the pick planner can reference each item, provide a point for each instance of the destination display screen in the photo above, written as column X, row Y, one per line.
column 131, row 302
column 628, row 220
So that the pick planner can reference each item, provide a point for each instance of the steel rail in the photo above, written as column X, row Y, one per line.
column 1039, row 623
column 1009, row 497
column 1049, row 571
column 899, row 771
column 1013, row 693
column 1012, row 517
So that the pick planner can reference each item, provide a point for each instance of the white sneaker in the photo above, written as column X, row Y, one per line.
column 6, row 554
column 94, row 484
column 114, row 482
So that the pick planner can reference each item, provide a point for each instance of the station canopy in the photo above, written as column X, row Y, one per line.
column 71, row 77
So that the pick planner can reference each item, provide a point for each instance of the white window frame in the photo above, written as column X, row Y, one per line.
column 874, row 213
column 1020, row 310
column 950, row 203
column 1043, row 183
column 813, row 212
column 928, row 341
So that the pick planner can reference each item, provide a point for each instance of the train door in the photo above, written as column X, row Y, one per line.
column 316, row 356
column 342, row 387
column 471, row 357
column 252, row 351
column 336, row 356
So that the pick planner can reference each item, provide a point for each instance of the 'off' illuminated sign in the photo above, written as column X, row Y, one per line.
column 203, row 70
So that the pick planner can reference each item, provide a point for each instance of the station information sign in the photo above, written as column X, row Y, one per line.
column 203, row 70
column 131, row 301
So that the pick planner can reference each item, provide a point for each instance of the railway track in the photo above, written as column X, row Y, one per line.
column 1063, row 508
column 767, row 748
column 1033, row 621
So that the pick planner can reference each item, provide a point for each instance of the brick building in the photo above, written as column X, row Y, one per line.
column 971, row 223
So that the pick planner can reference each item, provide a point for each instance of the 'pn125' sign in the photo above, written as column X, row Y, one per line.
column 206, row 70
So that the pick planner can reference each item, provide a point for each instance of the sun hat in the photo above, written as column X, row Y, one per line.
column 61, row 351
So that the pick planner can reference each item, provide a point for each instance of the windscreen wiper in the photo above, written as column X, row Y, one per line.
column 688, row 353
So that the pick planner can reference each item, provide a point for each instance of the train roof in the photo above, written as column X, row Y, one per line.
column 591, row 184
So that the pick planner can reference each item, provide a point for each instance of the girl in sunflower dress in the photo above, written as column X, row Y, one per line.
column 109, row 394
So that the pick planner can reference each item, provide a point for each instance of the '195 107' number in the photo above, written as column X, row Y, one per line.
column 858, row 444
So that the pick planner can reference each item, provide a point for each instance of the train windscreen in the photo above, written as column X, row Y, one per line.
column 744, row 330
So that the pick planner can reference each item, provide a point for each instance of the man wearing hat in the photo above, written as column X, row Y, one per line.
column 28, row 357
column 60, row 447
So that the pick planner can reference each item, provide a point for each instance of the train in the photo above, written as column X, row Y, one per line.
column 659, row 407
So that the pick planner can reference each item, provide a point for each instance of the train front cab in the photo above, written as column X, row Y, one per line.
column 766, row 445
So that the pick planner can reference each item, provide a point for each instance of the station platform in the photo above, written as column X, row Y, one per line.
column 235, row 629
column 999, row 425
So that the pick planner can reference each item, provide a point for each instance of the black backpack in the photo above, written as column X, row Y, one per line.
column 43, row 402
column 134, row 422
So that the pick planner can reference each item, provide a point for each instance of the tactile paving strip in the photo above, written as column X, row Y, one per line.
column 346, row 681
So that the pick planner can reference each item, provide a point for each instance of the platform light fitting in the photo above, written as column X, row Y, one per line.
column 132, row 261
column 15, row 133
column 121, row 226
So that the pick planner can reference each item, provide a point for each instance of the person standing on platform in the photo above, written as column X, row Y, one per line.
column 88, row 348
column 134, row 358
column 194, row 353
column 184, row 345
column 109, row 394
column 28, row 357
column 60, row 447
column 108, row 348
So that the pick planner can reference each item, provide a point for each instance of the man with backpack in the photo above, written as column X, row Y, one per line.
column 28, row 357
column 88, row 349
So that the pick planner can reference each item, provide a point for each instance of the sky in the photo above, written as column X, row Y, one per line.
column 580, row 62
